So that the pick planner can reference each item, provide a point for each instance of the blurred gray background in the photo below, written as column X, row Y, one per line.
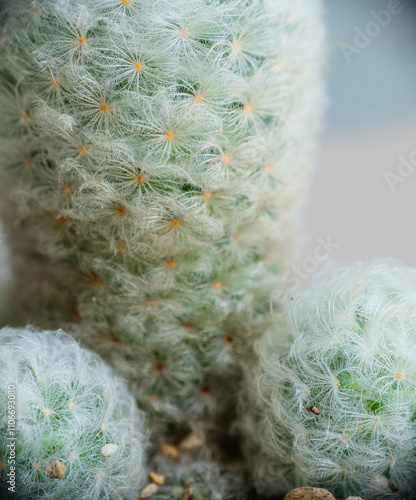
column 361, row 199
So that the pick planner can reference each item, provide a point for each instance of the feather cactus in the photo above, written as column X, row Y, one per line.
column 192, row 477
column 68, row 426
column 338, row 410
column 154, row 156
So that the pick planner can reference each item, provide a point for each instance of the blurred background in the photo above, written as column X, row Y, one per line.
column 363, row 197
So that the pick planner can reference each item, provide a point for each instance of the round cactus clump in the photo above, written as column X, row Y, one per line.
column 154, row 155
column 338, row 410
column 68, row 426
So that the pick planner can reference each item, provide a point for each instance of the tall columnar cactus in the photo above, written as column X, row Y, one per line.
column 339, row 409
column 68, row 426
column 156, row 152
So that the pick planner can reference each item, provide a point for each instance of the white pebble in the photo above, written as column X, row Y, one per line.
column 109, row 449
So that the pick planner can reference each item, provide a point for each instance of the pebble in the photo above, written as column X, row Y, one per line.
column 55, row 469
column 309, row 493
column 149, row 490
column 191, row 442
column 156, row 478
column 108, row 449
column 169, row 450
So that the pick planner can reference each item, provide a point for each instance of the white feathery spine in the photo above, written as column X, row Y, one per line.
column 192, row 476
column 154, row 157
column 335, row 406
column 71, row 408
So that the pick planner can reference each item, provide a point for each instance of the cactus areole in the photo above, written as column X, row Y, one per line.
column 156, row 154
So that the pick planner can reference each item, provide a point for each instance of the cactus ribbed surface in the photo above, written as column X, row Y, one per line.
column 154, row 156
column 338, row 410
column 69, row 428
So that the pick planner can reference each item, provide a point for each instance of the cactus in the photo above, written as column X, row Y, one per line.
column 182, row 467
column 154, row 156
column 338, row 409
column 191, row 477
column 68, row 426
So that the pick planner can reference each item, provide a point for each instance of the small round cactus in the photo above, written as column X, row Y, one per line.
column 68, row 426
column 338, row 410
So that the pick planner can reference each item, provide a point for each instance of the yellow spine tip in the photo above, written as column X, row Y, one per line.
column 104, row 107
column 81, row 41
column 176, row 223
column 218, row 285
column 171, row 265
column 138, row 66
column 169, row 136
